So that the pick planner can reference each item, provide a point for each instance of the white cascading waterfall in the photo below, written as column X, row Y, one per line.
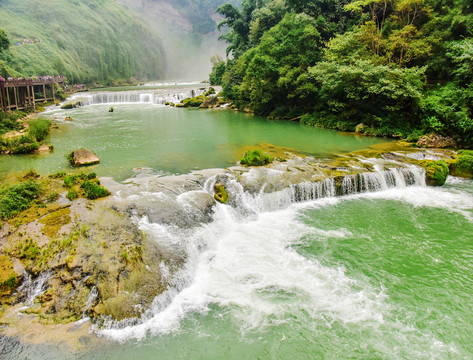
column 313, row 190
column 133, row 97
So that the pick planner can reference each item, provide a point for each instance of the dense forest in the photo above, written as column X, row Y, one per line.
column 399, row 68
column 85, row 40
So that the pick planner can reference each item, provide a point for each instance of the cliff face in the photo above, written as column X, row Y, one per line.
column 86, row 40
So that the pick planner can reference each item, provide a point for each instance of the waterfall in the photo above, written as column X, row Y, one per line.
column 312, row 190
column 30, row 290
column 136, row 97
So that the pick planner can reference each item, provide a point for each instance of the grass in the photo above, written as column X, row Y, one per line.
column 16, row 198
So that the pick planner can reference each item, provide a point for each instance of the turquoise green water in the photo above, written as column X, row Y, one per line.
column 169, row 140
column 385, row 275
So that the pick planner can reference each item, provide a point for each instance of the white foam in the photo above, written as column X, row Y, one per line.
column 251, row 268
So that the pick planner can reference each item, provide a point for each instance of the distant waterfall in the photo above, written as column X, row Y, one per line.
column 136, row 97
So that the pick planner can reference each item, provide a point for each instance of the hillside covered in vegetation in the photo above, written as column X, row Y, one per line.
column 85, row 40
column 398, row 68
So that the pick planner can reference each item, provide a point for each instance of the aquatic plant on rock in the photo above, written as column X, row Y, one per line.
column 464, row 165
column 256, row 158
column 221, row 194
column 436, row 173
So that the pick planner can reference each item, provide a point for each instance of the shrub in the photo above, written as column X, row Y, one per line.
column 72, row 195
column 16, row 198
column 256, row 158
column 93, row 190
column 91, row 176
column 70, row 181
column 39, row 129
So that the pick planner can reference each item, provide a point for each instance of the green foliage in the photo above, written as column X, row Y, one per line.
column 27, row 249
column 93, row 190
column 17, row 198
column 349, row 62
column 11, row 281
column 193, row 102
column 87, row 41
column 465, row 163
column 39, row 128
column 72, row 195
column 70, row 158
column 4, row 41
column 58, row 175
column 378, row 96
column 9, row 121
column 256, row 158
column 436, row 173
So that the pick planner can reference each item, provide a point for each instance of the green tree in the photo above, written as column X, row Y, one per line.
column 4, row 41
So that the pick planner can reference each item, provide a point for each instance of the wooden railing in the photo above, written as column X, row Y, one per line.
column 33, row 81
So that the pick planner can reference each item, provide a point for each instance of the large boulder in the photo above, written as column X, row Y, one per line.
column 436, row 173
column 436, row 141
column 83, row 157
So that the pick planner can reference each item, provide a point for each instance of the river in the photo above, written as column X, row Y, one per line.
column 375, row 275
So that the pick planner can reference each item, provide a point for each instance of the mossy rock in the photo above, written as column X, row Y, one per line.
column 8, row 278
column 221, row 194
column 464, row 165
column 256, row 158
column 436, row 173
column 54, row 221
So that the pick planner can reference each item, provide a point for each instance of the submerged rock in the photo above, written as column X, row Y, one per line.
column 83, row 157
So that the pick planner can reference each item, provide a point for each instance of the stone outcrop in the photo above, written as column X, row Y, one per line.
column 83, row 157
column 210, row 102
column 436, row 141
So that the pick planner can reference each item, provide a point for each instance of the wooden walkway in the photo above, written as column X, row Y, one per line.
column 21, row 93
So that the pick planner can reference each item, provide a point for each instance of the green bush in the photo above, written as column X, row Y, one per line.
column 72, row 195
column 256, row 158
column 465, row 164
column 39, row 129
column 91, row 176
column 93, row 190
column 16, row 198
column 70, row 181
